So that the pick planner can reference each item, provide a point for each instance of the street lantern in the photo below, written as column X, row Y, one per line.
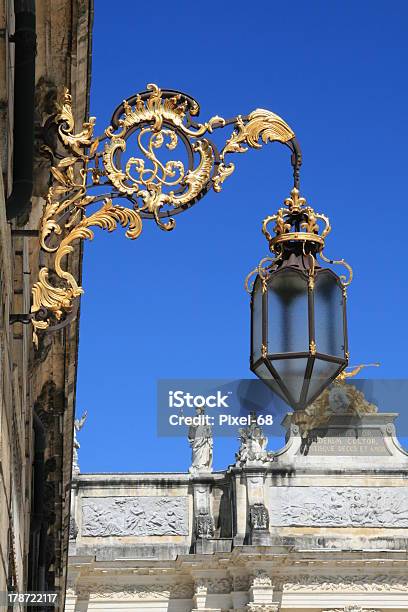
column 123, row 177
column 298, row 308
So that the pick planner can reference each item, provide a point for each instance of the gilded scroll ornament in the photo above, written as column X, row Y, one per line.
column 130, row 161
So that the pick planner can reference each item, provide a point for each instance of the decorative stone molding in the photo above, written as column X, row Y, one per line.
column 204, row 525
column 181, row 590
column 260, row 592
column 254, row 607
column 261, row 579
column 352, row 608
column 213, row 586
column 136, row 591
column 73, row 529
column 258, row 516
column 345, row 584
column 340, row 506
column 200, row 594
column 241, row 583
column 134, row 516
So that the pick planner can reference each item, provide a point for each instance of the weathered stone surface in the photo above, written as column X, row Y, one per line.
column 348, row 442
column 258, row 516
column 340, row 506
column 43, row 381
column 134, row 516
column 336, row 534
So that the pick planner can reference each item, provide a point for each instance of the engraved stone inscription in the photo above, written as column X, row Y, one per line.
column 348, row 442
column 340, row 506
column 134, row 516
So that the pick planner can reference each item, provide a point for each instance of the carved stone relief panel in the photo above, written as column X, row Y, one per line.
column 134, row 516
column 340, row 506
column 162, row 591
column 352, row 608
column 258, row 517
column 255, row 607
column 381, row 583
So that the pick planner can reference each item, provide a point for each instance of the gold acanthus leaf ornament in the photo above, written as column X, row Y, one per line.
column 260, row 124
column 65, row 119
column 59, row 300
column 153, row 122
column 158, row 110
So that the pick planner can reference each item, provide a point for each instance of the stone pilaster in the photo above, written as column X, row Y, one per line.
column 203, row 527
column 258, row 516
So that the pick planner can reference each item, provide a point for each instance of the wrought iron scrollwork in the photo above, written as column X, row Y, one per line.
column 98, row 170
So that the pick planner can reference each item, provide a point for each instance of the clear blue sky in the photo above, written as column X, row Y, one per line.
column 172, row 304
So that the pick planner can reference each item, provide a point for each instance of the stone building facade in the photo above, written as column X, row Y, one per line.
column 320, row 525
column 37, row 388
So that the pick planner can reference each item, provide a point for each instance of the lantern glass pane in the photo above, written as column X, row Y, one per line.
column 328, row 308
column 264, row 374
column 288, row 318
column 257, row 320
column 262, row 371
column 292, row 372
column 322, row 372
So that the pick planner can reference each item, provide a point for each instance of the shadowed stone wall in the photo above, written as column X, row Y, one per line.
column 40, row 383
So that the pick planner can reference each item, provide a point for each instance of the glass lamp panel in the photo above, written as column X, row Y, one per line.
column 292, row 373
column 256, row 348
column 322, row 374
column 262, row 371
column 288, row 316
column 264, row 374
column 328, row 314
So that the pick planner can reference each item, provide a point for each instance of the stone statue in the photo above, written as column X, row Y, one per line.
column 78, row 424
column 201, row 442
column 253, row 444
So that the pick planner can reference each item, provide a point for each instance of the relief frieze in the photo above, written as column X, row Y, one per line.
column 134, row 516
column 340, row 506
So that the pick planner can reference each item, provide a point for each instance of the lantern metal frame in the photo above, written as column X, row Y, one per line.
column 299, row 237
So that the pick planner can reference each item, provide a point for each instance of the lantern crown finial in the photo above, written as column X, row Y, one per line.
column 296, row 223
column 295, row 202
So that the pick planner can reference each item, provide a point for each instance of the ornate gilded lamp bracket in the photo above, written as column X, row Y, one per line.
column 94, row 171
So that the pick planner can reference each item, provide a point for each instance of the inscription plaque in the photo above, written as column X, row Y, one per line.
column 347, row 442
